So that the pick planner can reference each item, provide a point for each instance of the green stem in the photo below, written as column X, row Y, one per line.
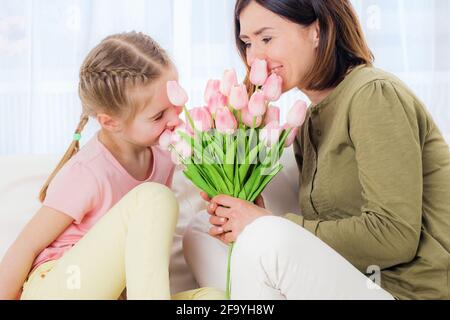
column 252, row 130
column 228, row 286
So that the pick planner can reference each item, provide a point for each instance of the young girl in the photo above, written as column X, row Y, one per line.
column 108, row 215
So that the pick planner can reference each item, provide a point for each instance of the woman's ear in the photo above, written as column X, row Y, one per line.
column 315, row 34
column 108, row 123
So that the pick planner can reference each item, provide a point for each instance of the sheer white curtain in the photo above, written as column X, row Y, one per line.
column 43, row 42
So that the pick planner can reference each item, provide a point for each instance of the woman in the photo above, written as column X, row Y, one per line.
column 374, row 170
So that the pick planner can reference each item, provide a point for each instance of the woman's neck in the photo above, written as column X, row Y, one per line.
column 317, row 97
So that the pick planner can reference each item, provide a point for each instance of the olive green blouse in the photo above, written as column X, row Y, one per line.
column 375, row 183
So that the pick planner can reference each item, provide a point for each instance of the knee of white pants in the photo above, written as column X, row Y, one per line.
column 196, row 236
column 266, row 233
column 189, row 239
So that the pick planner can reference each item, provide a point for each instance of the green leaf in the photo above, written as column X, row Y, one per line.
column 264, row 182
column 248, row 186
column 219, row 183
column 197, row 180
column 230, row 157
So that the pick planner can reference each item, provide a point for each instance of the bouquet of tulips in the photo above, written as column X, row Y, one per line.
column 232, row 145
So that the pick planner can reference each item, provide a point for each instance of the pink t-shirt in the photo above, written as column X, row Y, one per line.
column 90, row 184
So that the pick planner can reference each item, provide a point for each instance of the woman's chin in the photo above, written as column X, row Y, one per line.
column 286, row 88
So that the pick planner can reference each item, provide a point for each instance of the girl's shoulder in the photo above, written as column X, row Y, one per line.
column 94, row 157
column 82, row 168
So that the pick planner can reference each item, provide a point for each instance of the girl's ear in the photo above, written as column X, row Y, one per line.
column 108, row 123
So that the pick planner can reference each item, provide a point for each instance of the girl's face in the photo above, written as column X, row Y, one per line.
column 288, row 47
column 157, row 115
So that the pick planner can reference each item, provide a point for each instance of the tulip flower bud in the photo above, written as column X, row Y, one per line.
column 272, row 87
column 258, row 72
column 296, row 116
column 177, row 95
column 257, row 104
column 270, row 134
column 225, row 121
column 229, row 80
column 247, row 119
column 202, row 120
column 165, row 139
column 217, row 101
column 272, row 114
column 212, row 88
column 292, row 135
column 183, row 149
column 239, row 97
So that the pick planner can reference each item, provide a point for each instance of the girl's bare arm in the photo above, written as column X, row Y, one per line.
column 40, row 232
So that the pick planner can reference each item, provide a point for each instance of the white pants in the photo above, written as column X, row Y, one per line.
column 274, row 258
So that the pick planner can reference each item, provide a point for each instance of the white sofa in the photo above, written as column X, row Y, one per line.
column 22, row 176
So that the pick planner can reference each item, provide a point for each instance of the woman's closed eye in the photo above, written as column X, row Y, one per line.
column 265, row 40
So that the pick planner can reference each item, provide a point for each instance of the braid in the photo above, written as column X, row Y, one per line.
column 71, row 151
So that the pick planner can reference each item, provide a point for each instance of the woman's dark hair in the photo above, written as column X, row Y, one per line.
column 342, row 43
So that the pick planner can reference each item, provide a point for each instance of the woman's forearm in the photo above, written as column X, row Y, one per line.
column 14, row 269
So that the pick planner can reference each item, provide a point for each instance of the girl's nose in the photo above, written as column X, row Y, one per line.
column 178, row 110
column 174, row 119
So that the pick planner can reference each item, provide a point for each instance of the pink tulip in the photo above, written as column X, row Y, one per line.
column 183, row 149
column 270, row 134
column 176, row 137
column 202, row 120
column 212, row 88
column 165, row 139
column 217, row 101
column 292, row 135
column 175, row 157
column 257, row 104
column 296, row 116
column 272, row 114
column 229, row 80
column 239, row 97
column 177, row 95
column 272, row 87
column 247, row 119
column 225, row 121
column 258, row 72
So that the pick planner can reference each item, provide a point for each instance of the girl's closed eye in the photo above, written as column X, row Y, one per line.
column 266, row 40
column 158, row 116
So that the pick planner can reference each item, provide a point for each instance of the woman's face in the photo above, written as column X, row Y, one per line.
column 288, row 48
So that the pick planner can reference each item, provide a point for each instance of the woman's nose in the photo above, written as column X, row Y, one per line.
column 255, row 52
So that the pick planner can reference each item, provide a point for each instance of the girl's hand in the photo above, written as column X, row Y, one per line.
column 229, row 216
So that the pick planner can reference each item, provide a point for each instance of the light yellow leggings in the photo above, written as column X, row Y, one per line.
column 128, row 247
